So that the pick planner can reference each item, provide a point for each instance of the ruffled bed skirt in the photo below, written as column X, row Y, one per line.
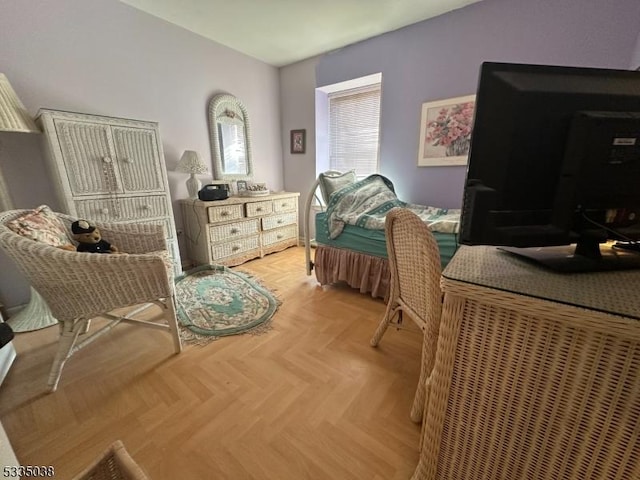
column 358, row 270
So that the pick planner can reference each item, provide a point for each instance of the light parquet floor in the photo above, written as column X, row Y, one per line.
column 308, row 399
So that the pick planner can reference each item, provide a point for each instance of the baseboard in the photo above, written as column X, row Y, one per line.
column 312, row 243
column 7, row 356
column 11, row 311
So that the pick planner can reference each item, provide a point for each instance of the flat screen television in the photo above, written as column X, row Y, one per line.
column 554, row 166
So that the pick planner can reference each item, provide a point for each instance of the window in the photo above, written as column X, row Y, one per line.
column 352, row 126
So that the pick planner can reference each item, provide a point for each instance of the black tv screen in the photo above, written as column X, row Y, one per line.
column 555, row 161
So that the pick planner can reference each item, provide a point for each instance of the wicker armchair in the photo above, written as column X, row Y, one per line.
column 414, row 262
column 80, row 286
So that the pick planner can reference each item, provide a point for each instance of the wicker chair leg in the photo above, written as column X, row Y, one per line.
column 170, row 316
column 69, row 331
column 392, row 309
column 424, row 412
column 86, row 327
column 417, row 409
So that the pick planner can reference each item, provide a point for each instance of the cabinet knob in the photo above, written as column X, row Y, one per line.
column 279, row 236
column 104, row 211
column 106, row 159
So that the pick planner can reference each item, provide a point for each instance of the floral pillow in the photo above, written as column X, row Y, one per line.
column 333, row 183
column 42, row 225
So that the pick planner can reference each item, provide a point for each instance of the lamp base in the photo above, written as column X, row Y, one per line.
column 193, row 186
column 34, row 316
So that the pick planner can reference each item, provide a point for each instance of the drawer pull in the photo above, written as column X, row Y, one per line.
column 279, row 236
column 235, row 248
column 279, row 220
column 285, row 205
column 235, row 230
column 104, row 211
column 224, row 214
column 146, row 207
column 259, row 209
column 127, row 160
column 106, row 159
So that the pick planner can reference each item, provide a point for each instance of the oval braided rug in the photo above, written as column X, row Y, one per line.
column 215, row 301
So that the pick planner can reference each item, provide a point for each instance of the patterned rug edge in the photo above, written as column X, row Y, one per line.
column 190, row 337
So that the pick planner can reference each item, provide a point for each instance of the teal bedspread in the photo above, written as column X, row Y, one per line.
column 372, row 242
column 365, row 204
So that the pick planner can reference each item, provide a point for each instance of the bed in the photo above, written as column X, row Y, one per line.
column 350, row 242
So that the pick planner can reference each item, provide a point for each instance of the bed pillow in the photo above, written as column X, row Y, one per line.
column 42, row 225
column 333, row 183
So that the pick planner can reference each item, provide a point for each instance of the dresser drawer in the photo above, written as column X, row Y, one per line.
column 285, row 204
column 122, row 209
column 281, row 220
column 230, row 231
column 257, row 209
column 280, row 235
column 224, row 213
column 235, row 247
column 168, row 231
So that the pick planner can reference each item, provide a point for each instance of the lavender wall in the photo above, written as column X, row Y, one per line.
column 635, row 62
column 107, row 58
column 440, row 58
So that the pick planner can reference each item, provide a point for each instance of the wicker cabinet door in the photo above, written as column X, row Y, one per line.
column 138, row 159
column 89, row 157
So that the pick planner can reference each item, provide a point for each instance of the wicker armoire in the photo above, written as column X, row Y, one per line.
column 109, row 170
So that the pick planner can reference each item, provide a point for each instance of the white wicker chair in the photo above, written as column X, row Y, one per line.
column 80, row 286
column 414, row 262
column 115, row 463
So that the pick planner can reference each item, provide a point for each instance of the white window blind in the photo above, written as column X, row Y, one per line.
column 354, row 120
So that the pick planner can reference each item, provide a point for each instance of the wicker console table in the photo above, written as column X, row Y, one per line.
column 537, row 374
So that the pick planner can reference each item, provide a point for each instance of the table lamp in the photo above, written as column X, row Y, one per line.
column 190, row 162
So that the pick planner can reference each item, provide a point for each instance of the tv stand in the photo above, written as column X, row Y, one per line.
column 535, row 374
column 568, row 259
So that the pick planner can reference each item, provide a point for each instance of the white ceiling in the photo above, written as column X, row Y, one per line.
column 281, row 32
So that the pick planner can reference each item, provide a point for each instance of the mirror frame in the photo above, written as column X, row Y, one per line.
column 216, row 109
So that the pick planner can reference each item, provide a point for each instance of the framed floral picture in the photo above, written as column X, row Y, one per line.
column 298, row 140
column 445, row 131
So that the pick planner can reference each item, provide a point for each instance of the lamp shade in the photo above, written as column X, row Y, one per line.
column 190, row 162
column 13, row 116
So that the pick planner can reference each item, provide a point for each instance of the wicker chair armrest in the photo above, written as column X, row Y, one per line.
column 84, row 284
column 134, row 237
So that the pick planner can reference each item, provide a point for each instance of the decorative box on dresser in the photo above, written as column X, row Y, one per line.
column 232, row 231
column 109, row 170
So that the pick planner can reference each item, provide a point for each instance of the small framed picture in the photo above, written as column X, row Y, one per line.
column 298, row 141
column 241, row 186
column 445, row 131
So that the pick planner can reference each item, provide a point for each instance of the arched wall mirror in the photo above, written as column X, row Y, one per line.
column 230, row 138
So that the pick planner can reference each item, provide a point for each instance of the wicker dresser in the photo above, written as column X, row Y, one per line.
column 109, row 170
column 232, row 231
column 537, row 374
